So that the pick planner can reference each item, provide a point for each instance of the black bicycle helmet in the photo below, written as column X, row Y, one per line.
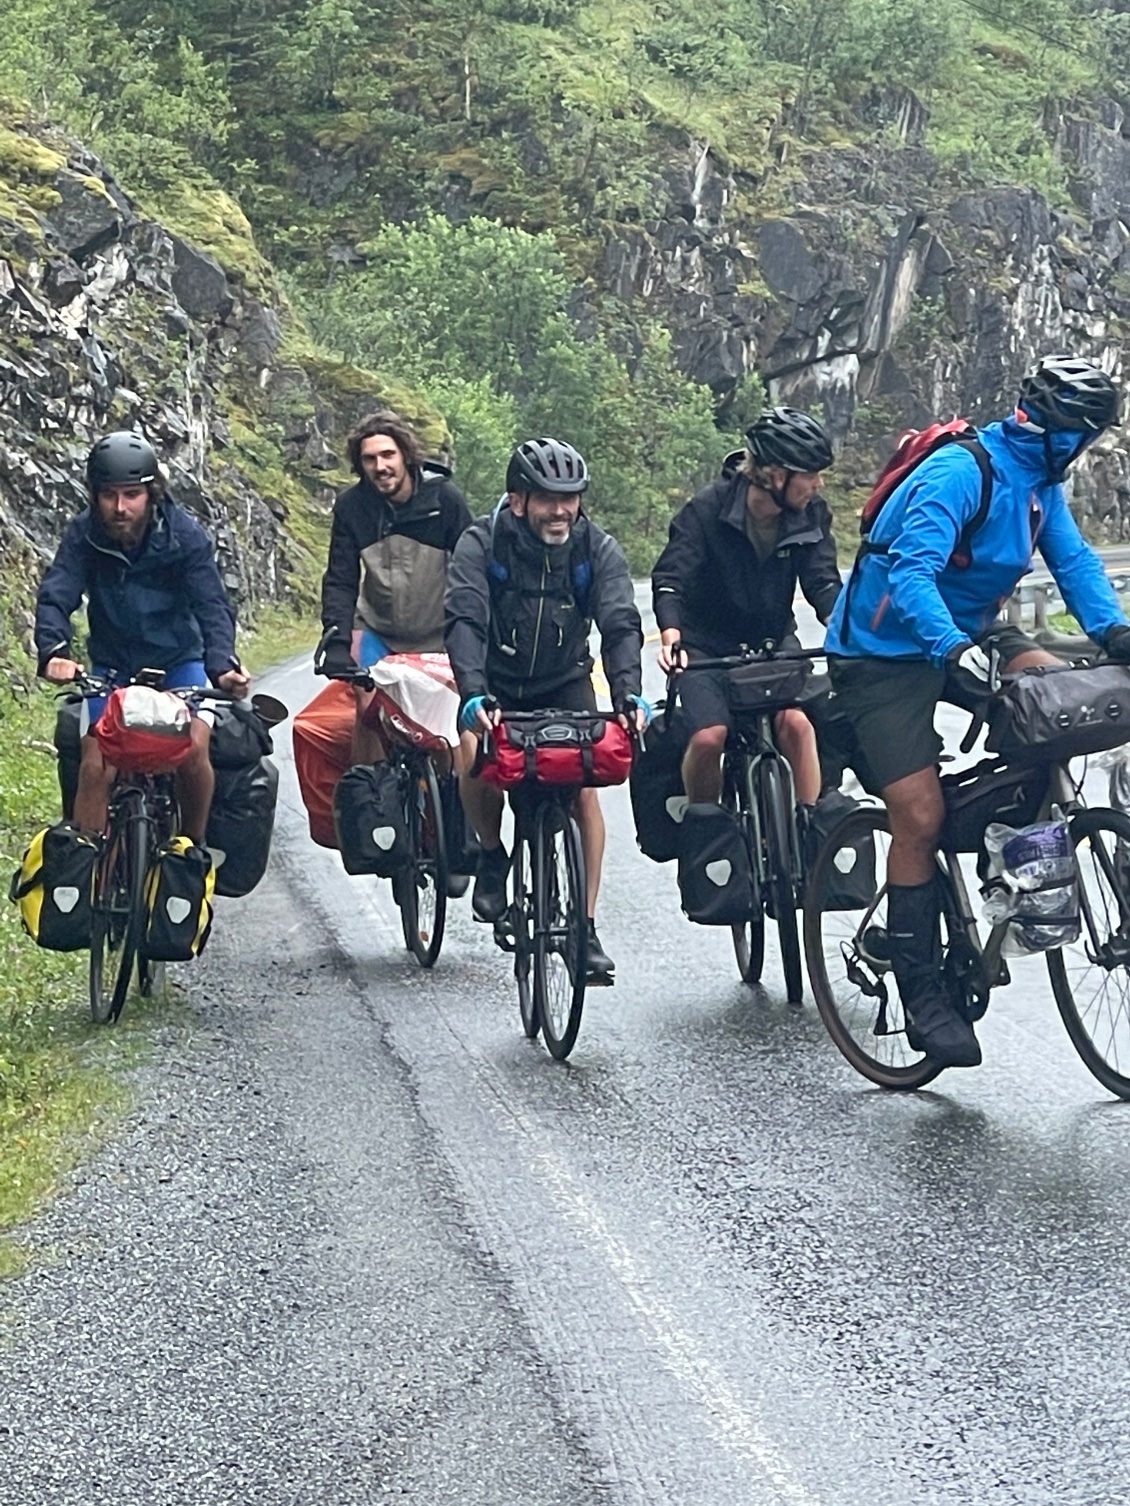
column 547, row 465
column 121, row 459
column 1068, row 392
column 789, row 438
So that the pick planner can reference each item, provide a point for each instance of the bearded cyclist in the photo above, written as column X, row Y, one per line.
column 736, row 553
column 524, row 588
column 916, row 623
column 155, row 600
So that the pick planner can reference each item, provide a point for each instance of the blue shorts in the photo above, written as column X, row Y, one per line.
column 192, row 672
column 368, row 647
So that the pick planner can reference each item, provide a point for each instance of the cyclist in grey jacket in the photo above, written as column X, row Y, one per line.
column 523, row 591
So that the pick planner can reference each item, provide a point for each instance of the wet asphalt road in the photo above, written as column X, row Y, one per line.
column 362, row 1241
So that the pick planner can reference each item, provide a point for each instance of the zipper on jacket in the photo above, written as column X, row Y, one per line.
column 541, row 610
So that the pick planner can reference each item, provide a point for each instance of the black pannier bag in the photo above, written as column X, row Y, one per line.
column 178, row 895
column 850, row 883
column 656, row 786
column 239, row 736
column 458, row 834
column 54, row 887
column 241, row 824
column 767, row 684
column 370, row 822
column 1054, row 712
column 993, row 790
column 714, row 873
column 68, row 745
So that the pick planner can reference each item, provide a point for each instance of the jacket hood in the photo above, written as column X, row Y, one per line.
column 1028, row 449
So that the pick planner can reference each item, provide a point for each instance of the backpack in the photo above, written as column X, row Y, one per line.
column 913, row 447
column 178, row 898
column 498, row 569
column 54, row 887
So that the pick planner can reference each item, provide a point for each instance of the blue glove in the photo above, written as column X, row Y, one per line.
column 469, row 713
column 626, row 705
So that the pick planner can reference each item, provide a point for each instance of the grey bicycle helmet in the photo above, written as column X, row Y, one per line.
column 786, row 437
column 121, row 459
column 547, row 465
column 1068, row 392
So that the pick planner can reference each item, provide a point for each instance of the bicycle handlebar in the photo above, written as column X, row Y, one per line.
column 88, row 687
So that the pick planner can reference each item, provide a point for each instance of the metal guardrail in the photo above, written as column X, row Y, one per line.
column 1032, row 600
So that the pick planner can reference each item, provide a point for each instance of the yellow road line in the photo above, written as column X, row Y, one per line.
column 598, row 678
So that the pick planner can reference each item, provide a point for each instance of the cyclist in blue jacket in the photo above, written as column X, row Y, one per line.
column 155, row 600
column 915, row 624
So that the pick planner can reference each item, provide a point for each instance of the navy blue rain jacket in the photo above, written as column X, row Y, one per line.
column 161, row 605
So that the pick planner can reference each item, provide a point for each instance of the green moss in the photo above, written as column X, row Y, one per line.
column 206, row 216
column 43, row 199
column 24, row 157
column 338, row 380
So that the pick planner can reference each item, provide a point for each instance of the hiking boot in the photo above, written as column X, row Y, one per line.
column 488, row 899
column 934, row 1024
column 457, row 885
column 600, row 966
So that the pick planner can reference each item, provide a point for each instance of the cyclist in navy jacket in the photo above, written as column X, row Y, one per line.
column 155, row 600
column 915, row 622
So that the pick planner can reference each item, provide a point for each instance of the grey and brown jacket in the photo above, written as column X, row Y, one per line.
column 387, row 565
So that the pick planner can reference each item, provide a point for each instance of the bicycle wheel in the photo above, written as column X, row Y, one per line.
column 849, row 968
column 421, row 891
column 1091, row 977
column 560, row 928
column 522, row 930
column 118, row 916
column 777, row 822
column 748, row 938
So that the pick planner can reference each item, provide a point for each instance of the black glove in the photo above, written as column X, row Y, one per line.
column 337, row 660
column 1117, row 643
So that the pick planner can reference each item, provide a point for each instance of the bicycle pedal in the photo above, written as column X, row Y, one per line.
column 503, row 936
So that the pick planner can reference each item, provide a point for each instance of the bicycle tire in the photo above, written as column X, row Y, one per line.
column 749, row 936
column 1097, row 966
column 862, row 1014
column 421, row 890
column 776, row 819
column 522, row 929
column 560, row 928
column 118, row 912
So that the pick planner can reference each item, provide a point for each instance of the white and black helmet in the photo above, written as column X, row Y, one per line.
column 121, row 459
column 547, row 465
column 1068, row 392
column 789, row 438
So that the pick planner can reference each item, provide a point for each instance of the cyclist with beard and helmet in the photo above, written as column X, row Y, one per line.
column 916, row 624
column 524, row 588
column 155, row 600
column 728, row 576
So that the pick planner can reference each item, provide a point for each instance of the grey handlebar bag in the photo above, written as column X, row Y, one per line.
column 1055, row 712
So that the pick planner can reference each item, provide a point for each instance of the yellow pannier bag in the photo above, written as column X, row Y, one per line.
column 178, row 896
column 54, row 887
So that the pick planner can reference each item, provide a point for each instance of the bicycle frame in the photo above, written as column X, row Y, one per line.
column 753, row 745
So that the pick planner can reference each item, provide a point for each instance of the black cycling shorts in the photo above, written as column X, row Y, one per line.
column 890, row 705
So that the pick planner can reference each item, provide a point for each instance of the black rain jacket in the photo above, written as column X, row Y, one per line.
column 710, row 584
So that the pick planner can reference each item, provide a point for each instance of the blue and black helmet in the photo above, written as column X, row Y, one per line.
column 1069, row 393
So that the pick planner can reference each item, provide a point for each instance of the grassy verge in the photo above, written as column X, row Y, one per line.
column 61, row 1078
column 57, row 1089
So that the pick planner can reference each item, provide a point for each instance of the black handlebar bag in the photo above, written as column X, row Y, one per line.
column 767, row 684
column 1055, row 712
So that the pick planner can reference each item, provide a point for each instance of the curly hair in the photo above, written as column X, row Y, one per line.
column 385, row 421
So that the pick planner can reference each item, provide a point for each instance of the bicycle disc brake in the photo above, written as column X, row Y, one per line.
column 870, row 987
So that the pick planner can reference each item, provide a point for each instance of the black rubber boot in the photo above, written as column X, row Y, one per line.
column 488, row 898
column 933, row 1023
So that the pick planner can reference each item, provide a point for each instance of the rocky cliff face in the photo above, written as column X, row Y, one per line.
column 889, row 299
column 110, row 319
